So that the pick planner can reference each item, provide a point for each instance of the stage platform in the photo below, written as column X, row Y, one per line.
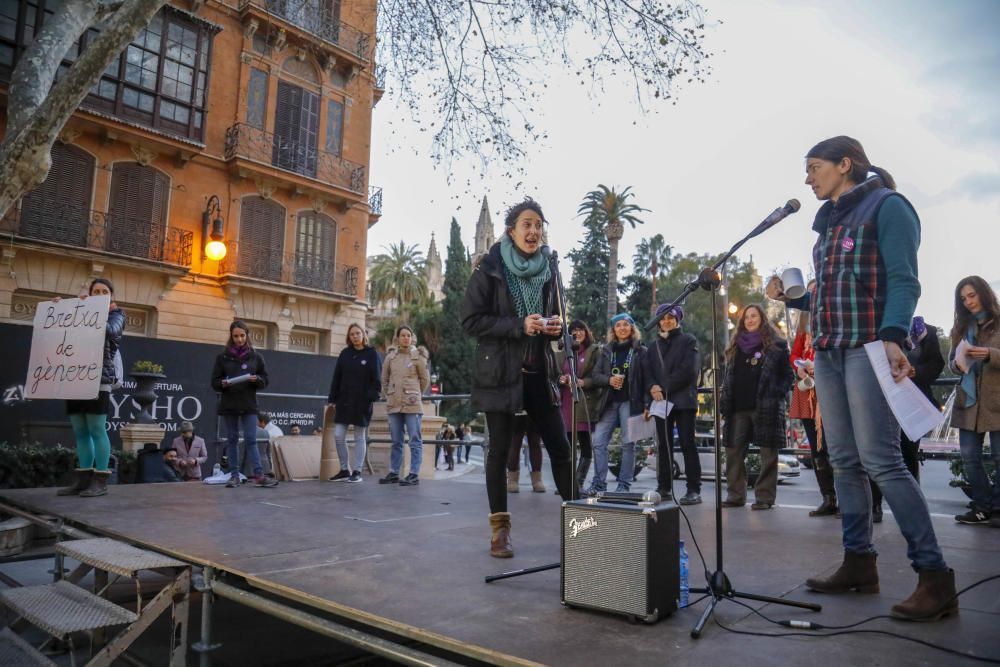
column 409, row 563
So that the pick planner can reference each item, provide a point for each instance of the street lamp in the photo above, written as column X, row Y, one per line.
column 733, row 308
column 212, row 230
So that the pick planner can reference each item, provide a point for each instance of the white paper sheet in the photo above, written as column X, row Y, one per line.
column 660, row 409
column 239, row 379
column 962, row 355
column 916, row 415
column 640, row 429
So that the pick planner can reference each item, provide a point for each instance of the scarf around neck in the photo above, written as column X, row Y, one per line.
column 749, row 341
column 525, row 277
column 968, row 382
column 239, row 352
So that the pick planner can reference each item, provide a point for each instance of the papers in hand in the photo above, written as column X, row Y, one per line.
column 640, row 429
column 916, row 415
column 238, row 379
column 660, row 409
column 962, row 359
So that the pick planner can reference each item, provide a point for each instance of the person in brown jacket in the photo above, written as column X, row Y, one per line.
column 191, row 452
column 977, row 399
column 404, row 380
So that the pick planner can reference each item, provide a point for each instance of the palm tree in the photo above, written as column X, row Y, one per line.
column 652, row 256
column 398, row 275
column 610, row 211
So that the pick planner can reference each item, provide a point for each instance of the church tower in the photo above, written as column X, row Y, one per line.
column 435, row 273
column 484, row 231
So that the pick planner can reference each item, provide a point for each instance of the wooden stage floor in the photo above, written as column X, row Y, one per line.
column 410, row 562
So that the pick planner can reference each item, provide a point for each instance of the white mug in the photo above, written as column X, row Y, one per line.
column 793, row 283
column 807, row 383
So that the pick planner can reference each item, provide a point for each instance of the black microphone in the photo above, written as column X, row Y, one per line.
column 779, row 214
column 547, row 252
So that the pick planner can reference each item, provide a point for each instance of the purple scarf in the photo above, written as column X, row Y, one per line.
column 240, row 353
column 749, row 341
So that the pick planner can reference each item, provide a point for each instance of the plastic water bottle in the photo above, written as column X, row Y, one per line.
column 684, row 577
column 216, row 470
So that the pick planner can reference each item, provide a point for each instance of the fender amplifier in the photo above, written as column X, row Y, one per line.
column 621, row 558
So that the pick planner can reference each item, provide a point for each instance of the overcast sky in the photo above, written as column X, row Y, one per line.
column 916, row 82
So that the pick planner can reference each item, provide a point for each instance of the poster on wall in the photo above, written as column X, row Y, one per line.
column 67, row 348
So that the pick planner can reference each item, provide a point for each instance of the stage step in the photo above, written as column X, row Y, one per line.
column 63, row 608
column 16, row 651
column 113, row 556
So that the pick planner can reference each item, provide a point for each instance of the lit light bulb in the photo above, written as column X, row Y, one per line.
column 215, row 250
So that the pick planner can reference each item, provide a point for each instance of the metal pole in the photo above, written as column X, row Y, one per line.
column 204, row 646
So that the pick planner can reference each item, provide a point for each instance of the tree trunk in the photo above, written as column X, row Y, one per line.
column 25, row 152
column 613, row 280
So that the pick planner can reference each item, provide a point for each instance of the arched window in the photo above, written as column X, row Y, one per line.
column 59, row 208
column 315, row 251
column 262, row 239
column 137, row 214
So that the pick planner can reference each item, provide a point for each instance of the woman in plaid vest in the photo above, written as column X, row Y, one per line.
column 866, row 290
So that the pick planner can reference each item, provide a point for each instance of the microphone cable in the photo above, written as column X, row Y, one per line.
column 839, row 630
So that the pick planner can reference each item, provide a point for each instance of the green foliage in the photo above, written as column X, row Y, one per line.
column 398, row 275
column 586, row 294
column 453, row 362
column 146, row 366
column 33, row 465
column 958, row 470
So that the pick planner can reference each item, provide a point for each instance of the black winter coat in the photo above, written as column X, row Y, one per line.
column 770, row 413
column 674, row 363
column 927, row 360
column 635, row 377
column 113, row 332
column 238, row 399
column 489, row 314
column 356, row 385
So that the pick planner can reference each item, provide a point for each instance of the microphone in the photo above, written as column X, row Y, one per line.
column 779, row 214
column 547, row 252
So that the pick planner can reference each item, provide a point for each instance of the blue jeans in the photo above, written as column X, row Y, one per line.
column 971, row 444
column 412, row 422
column 863, row 438
column 248, row 423
column 615, row 415
column 360, row 445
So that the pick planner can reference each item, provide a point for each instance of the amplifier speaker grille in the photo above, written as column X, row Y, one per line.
column 620, row 558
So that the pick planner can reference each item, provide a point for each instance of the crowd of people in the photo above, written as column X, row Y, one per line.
column 866, row 290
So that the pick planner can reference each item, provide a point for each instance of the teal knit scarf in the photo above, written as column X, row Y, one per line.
column 525, row 277
column 968, row 382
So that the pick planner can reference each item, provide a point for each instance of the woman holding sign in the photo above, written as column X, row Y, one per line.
column 88, row 417
column 977, row 399
column 239, row 372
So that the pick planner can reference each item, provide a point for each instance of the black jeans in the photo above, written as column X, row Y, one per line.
column 548, row 421
column 584, row 448
column 820, row 459
column 684, row 420
column 911, row 457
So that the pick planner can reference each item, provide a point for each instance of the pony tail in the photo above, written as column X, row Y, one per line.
column 886, row 177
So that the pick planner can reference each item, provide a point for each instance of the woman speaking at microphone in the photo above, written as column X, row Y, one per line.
column 867, row 288
column 510, row 307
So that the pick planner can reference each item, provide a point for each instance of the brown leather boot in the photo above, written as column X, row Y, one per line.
column 98, row 485
column 933, row 599
column 83, row 477
column 500, row 546
column 827, row 507
column 856, row 573
column 536, row 481
column 513, row 479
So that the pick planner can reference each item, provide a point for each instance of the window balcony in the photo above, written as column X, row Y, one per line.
column 291, row 268
column 248, row 143
column 316, row 18
column 71, row 226
column 375, row 200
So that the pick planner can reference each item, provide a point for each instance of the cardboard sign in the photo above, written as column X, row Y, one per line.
column 67, row 348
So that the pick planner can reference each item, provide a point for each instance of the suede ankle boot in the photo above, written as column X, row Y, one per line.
column 827, row 507
column 83, row 478
column 536, row 481
column 500, row 546
column 933, row 599
column 98, row 485
column 513, row 479
column 857, row 573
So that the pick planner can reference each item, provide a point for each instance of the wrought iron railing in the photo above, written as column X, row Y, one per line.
column 293, row 268
column 375, row 200
column 380, row 75
column 248, row 142
column 71, row 225
column 319, row 19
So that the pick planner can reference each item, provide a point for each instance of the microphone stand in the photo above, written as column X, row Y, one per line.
column 574, row 389
column 719, row 587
